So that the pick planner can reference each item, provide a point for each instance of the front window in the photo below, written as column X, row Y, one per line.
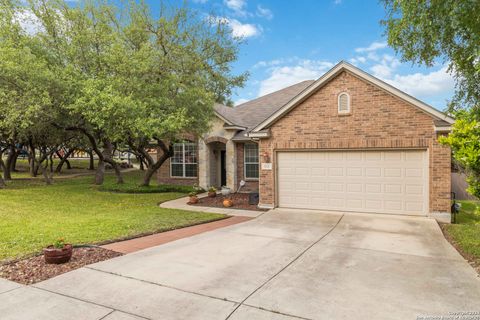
column 251, row 161
column 184, row 160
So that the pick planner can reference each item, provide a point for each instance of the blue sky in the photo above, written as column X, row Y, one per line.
column 290, row 41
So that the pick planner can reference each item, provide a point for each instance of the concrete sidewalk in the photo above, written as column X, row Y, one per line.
column 285, row 264
column 182, row 205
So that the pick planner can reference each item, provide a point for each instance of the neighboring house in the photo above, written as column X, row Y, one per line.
column 347, row 142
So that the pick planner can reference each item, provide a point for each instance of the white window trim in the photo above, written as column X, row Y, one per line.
column 245, row 163
column 183, row 163
column 348, row 103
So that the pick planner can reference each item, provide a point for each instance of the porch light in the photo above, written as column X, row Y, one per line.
column 266, row 157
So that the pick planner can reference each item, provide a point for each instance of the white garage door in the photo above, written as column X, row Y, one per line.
column 362, row 181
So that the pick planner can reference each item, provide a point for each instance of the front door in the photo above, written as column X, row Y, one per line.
column 223, row 168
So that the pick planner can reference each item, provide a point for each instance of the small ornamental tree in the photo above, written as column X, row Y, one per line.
column 465, row 143
column 425, row 32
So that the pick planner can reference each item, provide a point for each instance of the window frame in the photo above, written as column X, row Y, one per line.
column 349, row 102
column 183, row 163
column 250, row 163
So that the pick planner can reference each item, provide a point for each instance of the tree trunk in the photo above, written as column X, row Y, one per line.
column 100, row 173
column 48, row 179
column 107, row 157
column 64, row 160
column 7, row 173
column 153, row 165
column 13, row 164
column 2, row 168
column 44, row 156
column 37, row 168
column 31, row 161
column 11, row 157
column 118, row 173
column 51, row 162
column 92, row 161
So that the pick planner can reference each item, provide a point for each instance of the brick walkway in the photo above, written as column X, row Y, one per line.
column 137, row 244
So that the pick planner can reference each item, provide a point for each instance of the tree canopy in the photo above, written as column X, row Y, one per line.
column 425, row 31
column 122, row 76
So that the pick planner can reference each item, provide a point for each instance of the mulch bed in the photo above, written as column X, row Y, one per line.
column 472, row 260
column 240, row 201
column 33, row 270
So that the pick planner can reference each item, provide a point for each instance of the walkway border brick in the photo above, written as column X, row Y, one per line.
column 153, row 240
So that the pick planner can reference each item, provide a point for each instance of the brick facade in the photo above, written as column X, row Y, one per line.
column 250, row 185
column 378, row 120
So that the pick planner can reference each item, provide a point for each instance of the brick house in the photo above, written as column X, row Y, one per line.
column 347, row 141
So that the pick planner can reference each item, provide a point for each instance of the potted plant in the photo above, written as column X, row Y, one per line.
column 227, row 202
column 212, row 192
column 225, row 191
column 57, row 253
column 193, row 197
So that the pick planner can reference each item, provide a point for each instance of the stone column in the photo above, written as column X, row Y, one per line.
column 203, row 164
column 230, row 166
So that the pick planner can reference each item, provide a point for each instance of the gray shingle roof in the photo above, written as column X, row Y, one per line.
column 252, row 113
column 441, row 123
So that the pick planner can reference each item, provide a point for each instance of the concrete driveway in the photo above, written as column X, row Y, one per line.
column 285, row 264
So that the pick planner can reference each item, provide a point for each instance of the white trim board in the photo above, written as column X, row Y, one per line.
column 361, row 74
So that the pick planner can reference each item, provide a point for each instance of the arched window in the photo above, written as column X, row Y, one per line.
column 343, row 103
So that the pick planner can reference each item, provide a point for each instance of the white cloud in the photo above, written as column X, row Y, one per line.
column 28, row 21
column 385, row 66
column 424, row 85
column 284, row 76
column 381, row 71
column 244, row 30
column 358, row 60
column 264, row 12
column 238, row 6
column 240, row 101
column 372, row 47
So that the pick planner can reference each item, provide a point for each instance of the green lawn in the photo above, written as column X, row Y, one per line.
column 466, row 233
column 33, row 215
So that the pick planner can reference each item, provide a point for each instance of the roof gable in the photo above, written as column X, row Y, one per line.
column 336, row 70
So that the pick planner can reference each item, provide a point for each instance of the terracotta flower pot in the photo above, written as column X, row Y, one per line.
column 212, row 194
column 227, row 203
column 57, row 255
column 193, row 200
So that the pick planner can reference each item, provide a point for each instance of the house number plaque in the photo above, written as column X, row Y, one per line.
column 267, row 166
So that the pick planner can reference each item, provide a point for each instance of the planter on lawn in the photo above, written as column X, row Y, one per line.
column 58, row 255
column 193, row 200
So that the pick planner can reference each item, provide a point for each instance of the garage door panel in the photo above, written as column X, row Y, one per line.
column 368, row 181
column 354, row 171
column 354, row 187
column 393, row 188
column 393, row 172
